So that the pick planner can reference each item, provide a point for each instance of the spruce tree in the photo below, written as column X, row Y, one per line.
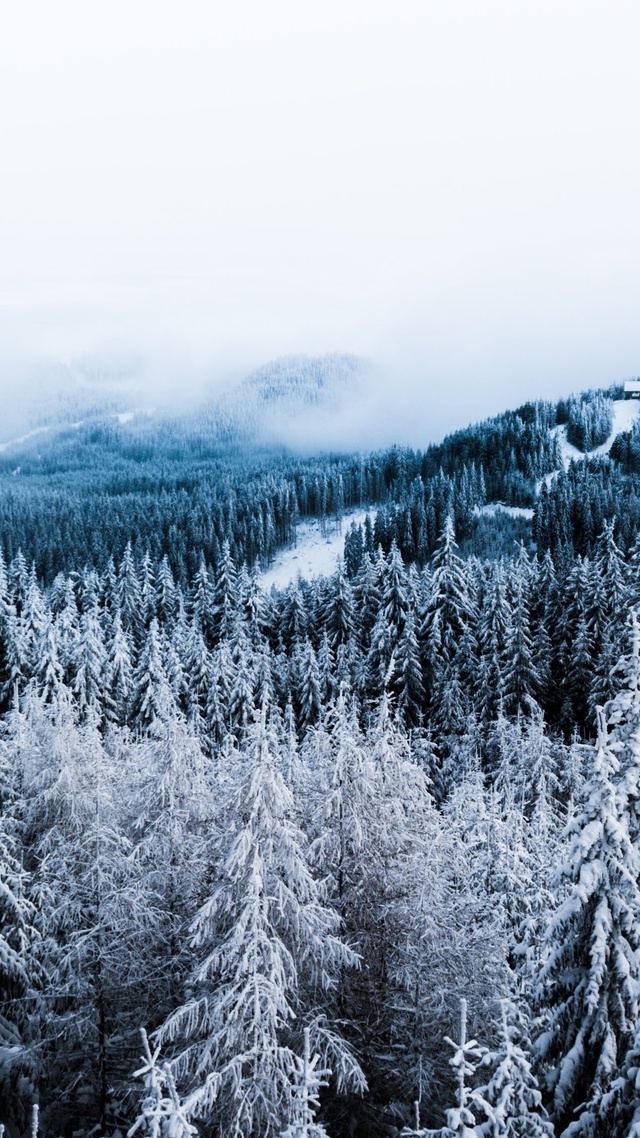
column 268, row 948
column 588, row 982
column 512, row 1094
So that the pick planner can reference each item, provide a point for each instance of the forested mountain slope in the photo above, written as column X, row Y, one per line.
column 181, row 486
column 317, row 821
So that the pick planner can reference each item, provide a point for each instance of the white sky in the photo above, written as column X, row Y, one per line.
column 451, row 187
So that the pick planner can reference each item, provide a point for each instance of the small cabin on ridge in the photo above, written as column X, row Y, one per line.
column 632, row 389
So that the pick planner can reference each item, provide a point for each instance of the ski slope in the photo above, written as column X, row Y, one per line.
column 625, row 413
column 315, row 553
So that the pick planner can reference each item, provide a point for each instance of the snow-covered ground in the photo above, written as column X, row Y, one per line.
column 315, row 554
column 625, row 413
column 127, row 416
column 493, row 508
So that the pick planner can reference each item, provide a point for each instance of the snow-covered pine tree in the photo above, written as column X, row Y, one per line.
column 224, row 597
column 147, row 590
column 512, row 1093
column 467, row 1053
column 89, row 914
column 521, row 681
column 90, row 663
column 493, row 631
column 174, row 816
column 201, row 600
column 308, row 1079
column 240, row 705
column 450, row 597
column 407, row 679
column 269, row 950
column 16, row 936
column 340, row 615
column 309, row 696
column 49, row 671
column 129, row 595
column 197, row 670
column 33, row 622
column 588, row 983
column 67, row 625
column 623, row 716
column 152, row 697
column 162, row 1115
column 119, row 674
column 166, row 593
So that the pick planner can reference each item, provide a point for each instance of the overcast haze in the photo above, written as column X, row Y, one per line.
column 448, row 188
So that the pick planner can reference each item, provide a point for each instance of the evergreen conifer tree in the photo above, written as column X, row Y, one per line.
column 589, row 979
column 268, row 949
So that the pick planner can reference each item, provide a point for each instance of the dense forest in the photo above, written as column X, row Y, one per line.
column 359, row 856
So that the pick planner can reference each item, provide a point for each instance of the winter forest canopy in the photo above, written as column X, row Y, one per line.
column 355, row 857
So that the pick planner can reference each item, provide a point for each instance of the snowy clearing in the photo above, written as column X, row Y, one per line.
column 492, row 508
column 128, row 416
column 625, row 413
column 315, row 554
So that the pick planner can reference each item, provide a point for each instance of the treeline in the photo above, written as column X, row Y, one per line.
column 456, row 642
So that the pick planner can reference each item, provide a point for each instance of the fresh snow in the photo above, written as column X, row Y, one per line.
column 625, row 413
column 568, row 452
column 315, row 553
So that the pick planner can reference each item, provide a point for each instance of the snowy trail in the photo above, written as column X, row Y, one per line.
column 625, row 413
column 315, row 553
column 23, row 438
column 122, row 417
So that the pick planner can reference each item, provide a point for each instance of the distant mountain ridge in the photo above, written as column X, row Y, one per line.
column 256, row 409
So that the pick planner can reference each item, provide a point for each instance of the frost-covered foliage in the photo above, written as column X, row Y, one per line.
column 588, row 984
column 467, row 1053
column 269, row 953
column 308, row 1079
column 512, row 1097
column 162, row 1115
